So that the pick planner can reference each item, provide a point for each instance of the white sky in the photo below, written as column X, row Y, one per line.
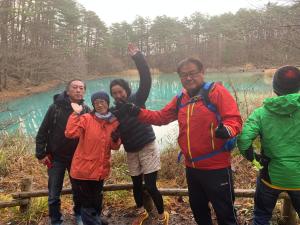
column 112, row 11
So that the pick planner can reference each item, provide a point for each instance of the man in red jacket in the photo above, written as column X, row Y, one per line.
column 203, row 135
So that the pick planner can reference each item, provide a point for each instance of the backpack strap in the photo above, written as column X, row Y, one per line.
column 179, row 97
column 203, row 94
column 227, row 147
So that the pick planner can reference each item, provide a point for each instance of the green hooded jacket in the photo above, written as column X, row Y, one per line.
column 277, row 123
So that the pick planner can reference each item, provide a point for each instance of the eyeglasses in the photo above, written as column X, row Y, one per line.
column 99, row 102
column 192, row 74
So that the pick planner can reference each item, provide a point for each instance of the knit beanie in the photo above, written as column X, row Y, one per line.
column 286, row 80
column 100, row 95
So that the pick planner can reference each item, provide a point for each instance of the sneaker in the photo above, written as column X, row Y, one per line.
column 140, row 218
column 78, row 220
column 164, row 221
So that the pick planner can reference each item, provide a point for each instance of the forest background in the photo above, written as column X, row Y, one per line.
column 59, row 39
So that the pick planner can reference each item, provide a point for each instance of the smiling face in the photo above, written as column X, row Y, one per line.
column 76, row 91
column 191, row 77
column 100, row 106
column 119, row 93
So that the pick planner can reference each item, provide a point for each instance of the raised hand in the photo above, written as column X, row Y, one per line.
column 76, row 107
column 132, row 49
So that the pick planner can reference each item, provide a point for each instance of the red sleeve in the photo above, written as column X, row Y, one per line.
column 161, row 117
column 75, row 125
column 228, row 109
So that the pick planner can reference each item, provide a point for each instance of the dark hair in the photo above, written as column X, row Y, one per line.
column 70, row 82
column 187, row 61
column 121, row 82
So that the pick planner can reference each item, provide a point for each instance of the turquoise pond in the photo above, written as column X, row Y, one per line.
column 29, row 111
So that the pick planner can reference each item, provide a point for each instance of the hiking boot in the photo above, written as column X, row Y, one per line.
column 165, row 220
column 142, row 216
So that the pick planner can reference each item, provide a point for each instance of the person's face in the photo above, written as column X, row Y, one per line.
column 190, row 76
column 76, row 91
column 100, row 106
column 119, row 93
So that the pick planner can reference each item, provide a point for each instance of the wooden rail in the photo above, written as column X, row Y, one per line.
column 23, row 198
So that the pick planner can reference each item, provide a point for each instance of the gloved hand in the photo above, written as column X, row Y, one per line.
column 121, row 110
column 134, row 109
column 126, row 108
column 250, row 154
column 257, row 165
column 115, row 135
column 222, row 132
column 255, row 158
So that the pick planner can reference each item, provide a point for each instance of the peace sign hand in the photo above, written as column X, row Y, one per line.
column 76, row 107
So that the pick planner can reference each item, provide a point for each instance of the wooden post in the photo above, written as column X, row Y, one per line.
column 26, row 185
column 289, row 214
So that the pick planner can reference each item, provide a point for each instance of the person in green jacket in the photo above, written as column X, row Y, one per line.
column 277, row 123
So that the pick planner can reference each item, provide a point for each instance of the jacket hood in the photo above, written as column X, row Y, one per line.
column 61, row 98
column 283, row 105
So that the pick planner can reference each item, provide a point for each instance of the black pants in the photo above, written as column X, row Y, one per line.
column 216, row 187
column 150, row 184
column 56, row 176
column 90, row 195
column 265, row 200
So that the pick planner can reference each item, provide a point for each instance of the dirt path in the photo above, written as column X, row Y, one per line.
column 125, row 218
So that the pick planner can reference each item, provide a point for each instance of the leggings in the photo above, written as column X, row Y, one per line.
column 150, row 185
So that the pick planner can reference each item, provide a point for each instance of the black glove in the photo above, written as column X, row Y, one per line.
column 126, row 108
column 262, row 159
column 222, row 132
column 250, row 154
column 115, row 135
column 119, row 110
column 134, row 109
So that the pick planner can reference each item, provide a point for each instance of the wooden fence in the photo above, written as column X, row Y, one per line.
column 23, row 198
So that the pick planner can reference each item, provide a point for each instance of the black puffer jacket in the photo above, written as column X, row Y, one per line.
column 50, row 138
column 134, row 134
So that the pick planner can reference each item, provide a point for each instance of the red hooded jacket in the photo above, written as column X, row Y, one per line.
column 91, row 160
column 197, row 125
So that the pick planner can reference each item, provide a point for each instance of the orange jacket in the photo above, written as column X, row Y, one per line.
column 197, row 126
column 91, row 160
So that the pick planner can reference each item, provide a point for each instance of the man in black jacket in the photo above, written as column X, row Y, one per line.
column 138, row 139
column 55, row 150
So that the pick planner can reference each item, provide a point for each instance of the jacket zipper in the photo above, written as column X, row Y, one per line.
column 212, row 136
column 188, row 134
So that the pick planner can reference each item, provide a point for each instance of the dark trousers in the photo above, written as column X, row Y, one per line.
column 216, row 187
column 265, row 200
column 90, row 195
column 150, row 185
column 56, row 176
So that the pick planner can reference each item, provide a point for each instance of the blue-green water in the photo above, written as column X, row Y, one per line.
column 29, row 111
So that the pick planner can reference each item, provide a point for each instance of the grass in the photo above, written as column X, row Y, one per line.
column 18, row 161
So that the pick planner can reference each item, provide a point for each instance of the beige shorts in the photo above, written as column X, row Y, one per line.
column 144, row 161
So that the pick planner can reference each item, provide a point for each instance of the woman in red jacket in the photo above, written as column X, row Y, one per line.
column 91, row 161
